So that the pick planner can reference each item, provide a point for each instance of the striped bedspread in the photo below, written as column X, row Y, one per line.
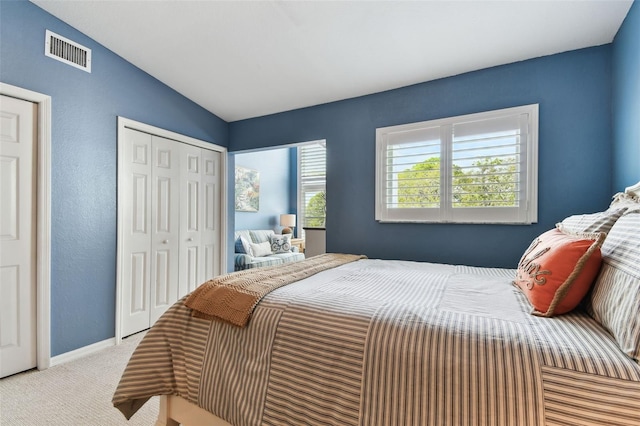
column 390, row 343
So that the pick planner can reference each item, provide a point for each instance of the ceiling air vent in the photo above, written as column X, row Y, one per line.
column 67, row 51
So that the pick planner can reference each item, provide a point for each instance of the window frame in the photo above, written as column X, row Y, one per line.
column 525, row 213
column 319, row 187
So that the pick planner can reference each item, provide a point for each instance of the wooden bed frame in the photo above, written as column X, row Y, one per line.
column 175, row 411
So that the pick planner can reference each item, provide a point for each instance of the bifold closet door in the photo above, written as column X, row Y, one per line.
column 171, row 224
column 136, row 222
column 211, row 229
column 199, row 217
column 165, row 220
column 191, row 256
column 150, row 229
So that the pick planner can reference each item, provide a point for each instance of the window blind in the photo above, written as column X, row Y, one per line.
column 477, row 168
column 312, row 167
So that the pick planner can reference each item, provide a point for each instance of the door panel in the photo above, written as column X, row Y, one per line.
column 10, row 314
column 193, row 262
column 139, row 280
column 139, row 204
column 10, row 203
column 193, row 200
column 165, row 200
column 162, row 293
column 136, row 242
column 211, row 214
column 211, row 263
column 191, row 273
column 17, row 235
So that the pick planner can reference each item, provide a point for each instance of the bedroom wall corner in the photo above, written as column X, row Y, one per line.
column 626, row 101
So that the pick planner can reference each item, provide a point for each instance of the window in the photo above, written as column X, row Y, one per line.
column 477, row 168
column 312, row 172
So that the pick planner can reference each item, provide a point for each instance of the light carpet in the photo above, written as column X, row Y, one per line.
column 76, row 393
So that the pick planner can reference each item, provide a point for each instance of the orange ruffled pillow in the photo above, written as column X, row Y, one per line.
column 557, row 270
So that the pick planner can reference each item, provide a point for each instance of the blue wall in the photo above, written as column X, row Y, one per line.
column 84, row 151
column 573, row 90
column 626, row 101
column 274, row 168
column 577, row 92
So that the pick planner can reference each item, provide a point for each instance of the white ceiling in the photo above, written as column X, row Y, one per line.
column 243, row 59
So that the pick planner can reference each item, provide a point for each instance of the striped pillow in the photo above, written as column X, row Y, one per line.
column 615, row 298
column 595, row 222
column 623, row 199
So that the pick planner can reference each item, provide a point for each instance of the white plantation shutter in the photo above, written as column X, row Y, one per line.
column 477, row 168
column 312, row 169
column 406, row 150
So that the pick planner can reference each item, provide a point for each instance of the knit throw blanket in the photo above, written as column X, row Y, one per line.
column 233, row 297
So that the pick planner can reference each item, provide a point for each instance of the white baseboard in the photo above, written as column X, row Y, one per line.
column 82, row 352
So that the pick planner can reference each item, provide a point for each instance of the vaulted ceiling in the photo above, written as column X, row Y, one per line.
column 243, row 59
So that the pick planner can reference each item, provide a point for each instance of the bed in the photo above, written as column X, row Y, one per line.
column 381, row 342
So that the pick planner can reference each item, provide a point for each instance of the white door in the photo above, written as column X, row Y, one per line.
column 191, row 255
column 165, row 220
column 17, row 235
column 199, row 217
column 151, row 218
column 211, row 222
column 136, row 223
column 169, row 199
column 151, row 225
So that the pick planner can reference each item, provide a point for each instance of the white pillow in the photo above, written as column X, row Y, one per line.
column 261, row 249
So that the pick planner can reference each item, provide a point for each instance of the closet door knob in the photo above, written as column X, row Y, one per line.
column 189, row 239
column 165, row 242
